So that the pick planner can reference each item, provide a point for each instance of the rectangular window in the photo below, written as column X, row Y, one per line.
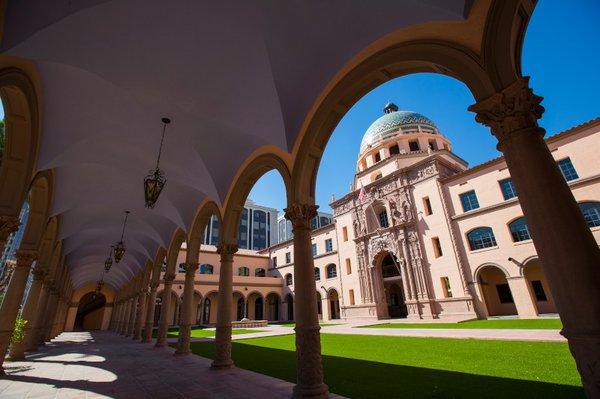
column 274, row 262
column 508, row 188
column 432, row 145
column 504, row 293
column 446, row 287
column 288, row 257
column 427, row 206
column 348, row 266
column 538, row 290
column 413, row 145
column 351, row 295
column 314, row 249
column 345, row 233
column 377, row 157
column 328, row 245
column 469, row 201
column 437, row 247
column 567, row 169
column 394, row 150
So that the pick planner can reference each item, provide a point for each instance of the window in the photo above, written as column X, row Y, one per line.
column 274, row 262
column 432, row 145
column 259, row 230
column 394, row 150
column 314, row 223
column 181, row 268
column 345, row 233
column 469, row 201
column 383, row 220
column 206, row 269
column 324, row 221
column 377, row 176
column 331, row 271
column 243, row 230
column 243, row 271
column 519, row 230
column 446, row 287
column 413, row 145
column 591, row 213
column 260, row 272
column 348, row 266
column 351, row 295
column 313, row 247
column 288, row 279
column 437, row 247
column 317, row 274
column 538, row 290
column 504, row 294
column 377, row 157
column 427, row 206
column 567, row 169
column 328, row 245
column 508, row 188
column 481, row 237
column 288, row 257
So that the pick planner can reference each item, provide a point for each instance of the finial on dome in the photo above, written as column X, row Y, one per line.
column 390, row 107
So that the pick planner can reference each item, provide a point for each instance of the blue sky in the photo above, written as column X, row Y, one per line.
column 561, row 54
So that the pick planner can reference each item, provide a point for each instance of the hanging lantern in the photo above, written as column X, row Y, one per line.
column 119, row 248
column 99, row 286
column 108, row 262
column 155, row 181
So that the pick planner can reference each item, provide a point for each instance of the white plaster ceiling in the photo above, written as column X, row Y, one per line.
column 232, row 76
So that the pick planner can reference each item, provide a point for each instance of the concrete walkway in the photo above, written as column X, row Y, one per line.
column 107, row 365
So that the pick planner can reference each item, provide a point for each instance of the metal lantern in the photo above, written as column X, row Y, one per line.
column 99, row 286
column 119, row 248
column 155, row 181
column 108, row 262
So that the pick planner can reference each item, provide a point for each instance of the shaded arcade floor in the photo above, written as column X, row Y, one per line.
column 104, row 364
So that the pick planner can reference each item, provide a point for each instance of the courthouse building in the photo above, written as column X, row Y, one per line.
column 421, row 236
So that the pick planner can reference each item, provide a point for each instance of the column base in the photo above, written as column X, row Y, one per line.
column 182, row 353
column 221, row 364
column 312, row 391
column 160, row 344
column 585, row 348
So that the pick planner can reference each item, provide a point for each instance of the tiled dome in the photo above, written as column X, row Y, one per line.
column 390, row 125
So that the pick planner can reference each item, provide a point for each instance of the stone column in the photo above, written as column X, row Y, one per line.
column 187, row 312
column 568, row 252
column 131, row 308
column 17, row 351
column 163, row 324
column 45, row 308
column 309, row 367
column 8, row 225
column 13, row 298
column 151, row 303
column 141, row 313
column 225, row 298
column 124, row 315
column 38, row 319
column 53, row 302
column 521, row 294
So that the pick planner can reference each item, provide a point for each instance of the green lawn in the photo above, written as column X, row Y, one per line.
column 294, row 324
column 546, row 324
column 202, row 332
column 360, row 366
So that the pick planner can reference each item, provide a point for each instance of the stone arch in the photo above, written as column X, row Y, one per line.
column 209, row 307
column 333, row 301
column 178, row 238
column 256, row 303
column 40, row 201
column 22, row 136
column 206, row 209
column 289, row 307
column 494, row 289
column 273, row 300
column 539, row 289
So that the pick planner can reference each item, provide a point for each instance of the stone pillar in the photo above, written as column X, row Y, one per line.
column 568, row 252
column 13, row 298
column 124, row 315
column 45, row 308
column 38, row 319
column 309, row 367
column 521, row 294
column 151, row 303
column 53, row 302
column 163, row 324
column 187, row 312
column 225, row 298
column 17, row 351
column 8, row 225
column 131, row 310
column 141, row 313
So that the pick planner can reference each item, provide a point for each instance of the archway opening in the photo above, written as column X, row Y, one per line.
column 334, row 304
column 91, row 312
column 273, row 301
column 289, row 302
column 496, row 292
column 240, row 311
column 256, row 310
column 540, row 291
column 393, row 287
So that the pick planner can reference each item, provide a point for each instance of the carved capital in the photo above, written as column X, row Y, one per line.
column 227, row 250
column 169, row 277
column 513, row 109
column 8, row 225
column 301, row 214
column 25, row 257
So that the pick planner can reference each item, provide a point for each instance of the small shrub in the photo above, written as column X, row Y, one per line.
column 19, row 331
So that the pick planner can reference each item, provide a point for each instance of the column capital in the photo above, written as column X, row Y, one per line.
column 8, row 225
column 301, row 214
column 39, row 273
column 227, row 250
column 512, row 109
column 25, row 257
column 169, row 277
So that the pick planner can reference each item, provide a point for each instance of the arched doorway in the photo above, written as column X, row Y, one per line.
column 319, row 306
column 334, row 304
column 393, row 287
column 258, row 308
column 157, row 309
column 539, row 288
column 495, row 291
column 289, row 300
column 206, row 315
column 396, row 304
column 255, row 304
column 198, row 306
column 273, row 307
column 241, row 311
column 90, row 312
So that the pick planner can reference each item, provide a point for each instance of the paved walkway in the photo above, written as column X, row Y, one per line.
column 106, row 365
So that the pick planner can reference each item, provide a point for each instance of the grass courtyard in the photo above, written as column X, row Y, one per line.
column 522, row 324
column 202, row 332
column 360, row 366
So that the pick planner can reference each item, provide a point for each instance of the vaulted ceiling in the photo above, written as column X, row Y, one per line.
column 232, row 75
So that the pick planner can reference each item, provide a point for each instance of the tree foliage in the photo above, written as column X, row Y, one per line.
column 19, row 331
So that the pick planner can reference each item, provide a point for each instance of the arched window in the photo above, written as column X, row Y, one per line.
column 260, row 272
column 591, row 213
column 519, row 230
column 383, row 219
column 206, row 269
column 317, row 274
column 331, row 271
column 288, row 279
column 243, row 271
column 481, row 237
